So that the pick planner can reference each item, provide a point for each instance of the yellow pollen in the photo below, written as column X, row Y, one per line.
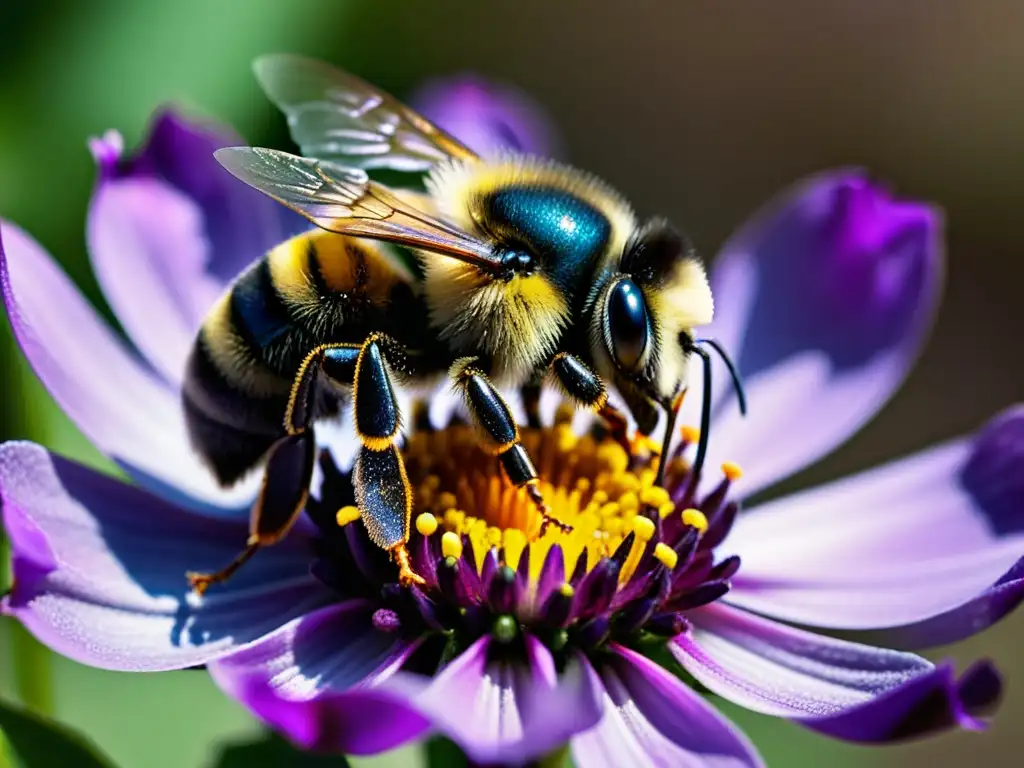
column 346, row 515
column 565, row 589
column 426, row 523
column 695, row 518
column 643, row 528
column 732, row 471
column 655, row 496
column 665, row 555
column 451, row 545
column 689, row 434
column 588, row 482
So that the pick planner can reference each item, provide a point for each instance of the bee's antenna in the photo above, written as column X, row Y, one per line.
column 705, row 413
column 737, row 380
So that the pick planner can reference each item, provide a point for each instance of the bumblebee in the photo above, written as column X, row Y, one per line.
column 525, row 270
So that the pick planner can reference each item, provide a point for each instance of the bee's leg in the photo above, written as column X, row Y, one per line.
column 586, row 388
column 500, row 434
column 530, row 393
column 290, row 461
column 381, row 485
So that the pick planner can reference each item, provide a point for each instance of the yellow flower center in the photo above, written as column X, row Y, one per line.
column 592, row 485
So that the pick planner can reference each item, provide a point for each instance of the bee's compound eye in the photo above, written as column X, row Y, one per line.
column 517, row 262
column 627, row 324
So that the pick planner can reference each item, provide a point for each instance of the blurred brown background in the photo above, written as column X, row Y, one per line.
column 699, row 110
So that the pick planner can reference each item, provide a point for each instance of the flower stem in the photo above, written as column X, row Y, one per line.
column 33, row 677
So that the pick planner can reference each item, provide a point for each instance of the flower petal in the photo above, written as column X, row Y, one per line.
column 500, row 711
column 487, row 117
column 824, row 300
column 241, row 224
column 358, row 721
column 331, row 649
column 138, row 422
column 651, row 718
column 924, row 705
column 149, row 253
column 778, row 670
column 938, row 532
column 99, row 570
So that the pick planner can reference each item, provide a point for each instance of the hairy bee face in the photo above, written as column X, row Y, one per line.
column 645, row 312
column 552, row 227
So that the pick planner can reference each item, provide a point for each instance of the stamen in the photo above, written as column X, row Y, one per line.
column 426, row 523
column 732, row 471
column 665, row 555
column 451, row 545
column 696, row 519
column 347, row 514
column 655, row 496
column 643, row 530
column 689, row 434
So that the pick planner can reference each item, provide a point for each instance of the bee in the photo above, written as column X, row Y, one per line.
column 525, row 271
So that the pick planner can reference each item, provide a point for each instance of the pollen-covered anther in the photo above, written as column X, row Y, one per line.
column 451, row 545
column 665, row 555
column 643, row 532
column 347, row 514
column 689, row 434
column 655, row 496
column 426, row 523
column 732, row 471
column 696, row 519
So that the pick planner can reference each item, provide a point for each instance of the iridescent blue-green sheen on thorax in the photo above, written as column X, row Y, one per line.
column 565, row 232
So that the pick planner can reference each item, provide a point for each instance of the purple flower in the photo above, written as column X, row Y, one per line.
column 488, row 117
column 512, row 649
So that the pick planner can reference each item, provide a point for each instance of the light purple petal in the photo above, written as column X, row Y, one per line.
column 651, row 718
column 126, row 410
column 149, row 252
column 99, row 570
column 487, row 117
column 240, row 223
column 331, row 649
column 358, row 721
column 927, row 704
column 895, row 545
column 824, row 299
column 778, row 670
column 502, row 711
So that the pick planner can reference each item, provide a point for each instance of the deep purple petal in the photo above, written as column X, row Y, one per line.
column 927, row 704
column 505, row 711
column 651, row 718
column 771, row 668
column 331, row 649
column 824, row 300
column 487, row 117
column 122, row 407
column 99, row 570
column 938, row 533
column 241, row 224
column 358, row 721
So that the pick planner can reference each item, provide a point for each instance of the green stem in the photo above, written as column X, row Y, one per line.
column 33, row 677
column 6, row 754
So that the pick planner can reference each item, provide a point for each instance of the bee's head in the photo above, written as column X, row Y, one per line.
column 643, row 317
column 549, row 226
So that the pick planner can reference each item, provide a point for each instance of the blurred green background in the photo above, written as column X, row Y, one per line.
column 697, row 110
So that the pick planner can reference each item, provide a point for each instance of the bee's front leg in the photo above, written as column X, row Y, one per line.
column 587, row 390
column 499, row 433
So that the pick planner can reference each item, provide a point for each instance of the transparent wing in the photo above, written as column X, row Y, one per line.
column 346, row 201
column 336, row 116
